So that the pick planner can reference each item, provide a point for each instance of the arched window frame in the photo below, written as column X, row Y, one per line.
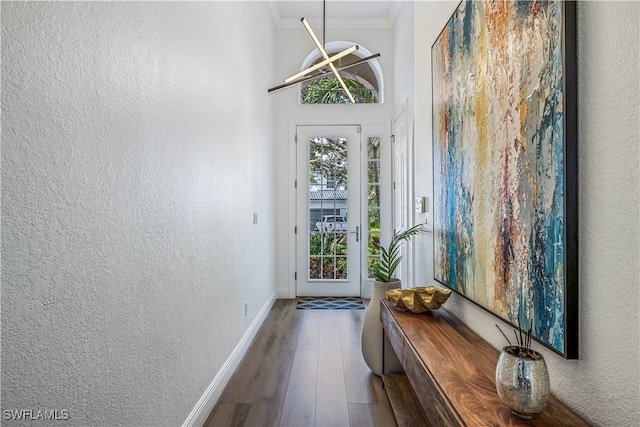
column 339, row 46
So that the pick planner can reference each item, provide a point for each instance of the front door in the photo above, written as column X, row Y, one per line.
column 328, row 230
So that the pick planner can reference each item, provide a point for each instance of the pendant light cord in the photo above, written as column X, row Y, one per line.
column 324, row 23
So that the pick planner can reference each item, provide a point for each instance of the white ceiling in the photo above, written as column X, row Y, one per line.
column 356, row 14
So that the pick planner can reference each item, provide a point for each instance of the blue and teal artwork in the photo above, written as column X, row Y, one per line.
column 505, row 196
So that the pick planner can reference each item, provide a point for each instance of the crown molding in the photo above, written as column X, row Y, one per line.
column 336, row 23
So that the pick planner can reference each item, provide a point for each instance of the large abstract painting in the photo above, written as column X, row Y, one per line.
column 505, row 164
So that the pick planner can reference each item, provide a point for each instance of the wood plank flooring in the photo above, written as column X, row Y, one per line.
column 304, row 368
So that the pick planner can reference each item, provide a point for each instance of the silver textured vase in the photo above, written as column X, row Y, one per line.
column 522, row 381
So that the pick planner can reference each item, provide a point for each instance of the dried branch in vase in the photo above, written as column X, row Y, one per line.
column 522, row 348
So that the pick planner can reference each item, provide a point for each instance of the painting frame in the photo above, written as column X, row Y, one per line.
column 505, row 185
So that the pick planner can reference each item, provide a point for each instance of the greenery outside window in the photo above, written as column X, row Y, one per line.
column 328, row 90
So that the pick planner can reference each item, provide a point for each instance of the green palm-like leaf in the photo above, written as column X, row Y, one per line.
column 391, row 256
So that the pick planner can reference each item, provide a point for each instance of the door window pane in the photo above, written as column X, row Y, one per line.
column 373, row 204
column 328, row 183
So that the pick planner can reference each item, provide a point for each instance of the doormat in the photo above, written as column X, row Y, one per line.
column 330, row 303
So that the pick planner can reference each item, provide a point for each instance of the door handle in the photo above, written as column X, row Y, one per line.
column 357, row 232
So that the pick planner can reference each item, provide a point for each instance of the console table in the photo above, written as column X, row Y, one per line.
column 450, row 374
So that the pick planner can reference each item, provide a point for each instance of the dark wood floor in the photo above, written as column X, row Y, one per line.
column 304, row 368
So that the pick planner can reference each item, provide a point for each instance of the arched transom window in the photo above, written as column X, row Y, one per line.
column 364, row 80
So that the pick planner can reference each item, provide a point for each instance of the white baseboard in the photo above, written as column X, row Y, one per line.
column 205, row 405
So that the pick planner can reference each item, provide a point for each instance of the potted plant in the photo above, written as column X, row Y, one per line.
column 390, row 258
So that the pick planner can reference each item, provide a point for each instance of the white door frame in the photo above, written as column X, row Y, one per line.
column 401, row 183
column 378, row 129
column 306, row 285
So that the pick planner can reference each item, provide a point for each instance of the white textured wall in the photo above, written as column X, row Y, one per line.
column 137, row 140
column 403, row 53
column 408, row 87
column 604, row 384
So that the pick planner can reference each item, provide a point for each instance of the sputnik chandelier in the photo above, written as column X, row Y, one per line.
column 305, row 75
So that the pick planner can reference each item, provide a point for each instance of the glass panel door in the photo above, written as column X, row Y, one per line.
column 328, row 211
column 374, row 191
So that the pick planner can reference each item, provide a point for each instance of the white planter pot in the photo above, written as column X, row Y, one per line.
column 372, row 334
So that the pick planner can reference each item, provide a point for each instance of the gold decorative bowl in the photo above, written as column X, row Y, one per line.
column 418, row 300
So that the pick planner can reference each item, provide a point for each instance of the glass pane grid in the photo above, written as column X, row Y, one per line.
column 328, row 182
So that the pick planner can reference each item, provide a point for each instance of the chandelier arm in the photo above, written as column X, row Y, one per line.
column 325, row 56
column 324, row 23
column 316, row 75
column 323, row 63
column 342, row 83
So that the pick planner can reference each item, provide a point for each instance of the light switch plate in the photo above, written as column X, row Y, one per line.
column 422, row 204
